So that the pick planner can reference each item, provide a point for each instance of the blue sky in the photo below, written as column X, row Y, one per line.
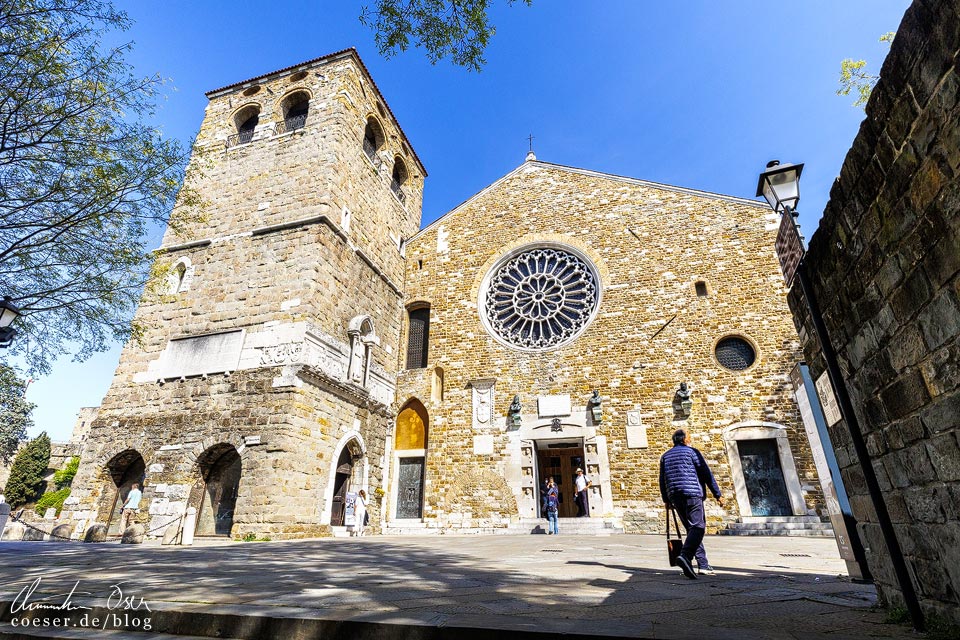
column 699, row 94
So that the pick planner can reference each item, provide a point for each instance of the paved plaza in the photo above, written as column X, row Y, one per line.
column 461, row 586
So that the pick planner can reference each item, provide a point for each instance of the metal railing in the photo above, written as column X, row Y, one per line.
column 243, row 137
column 291, row 124
column 398, row 191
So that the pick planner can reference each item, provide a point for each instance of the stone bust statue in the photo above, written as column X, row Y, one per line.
column 594, row 400
column 515, row 407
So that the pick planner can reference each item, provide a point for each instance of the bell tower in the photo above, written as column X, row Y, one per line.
column 270, row 350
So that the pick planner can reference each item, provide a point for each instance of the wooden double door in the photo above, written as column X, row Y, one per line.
column 561, row 463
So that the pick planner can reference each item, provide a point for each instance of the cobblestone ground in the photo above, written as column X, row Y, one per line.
column 599, row 586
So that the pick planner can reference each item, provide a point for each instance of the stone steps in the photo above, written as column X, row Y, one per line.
column 569, row 526
column 526, row 526
column 799, row 526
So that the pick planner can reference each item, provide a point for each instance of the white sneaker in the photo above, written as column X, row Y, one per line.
column 706, row 571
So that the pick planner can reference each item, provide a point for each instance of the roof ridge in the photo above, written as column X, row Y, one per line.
column 563, row 167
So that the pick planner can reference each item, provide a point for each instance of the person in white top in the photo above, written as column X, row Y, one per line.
column 360, row 513
column 130, row 507
column 583, row 502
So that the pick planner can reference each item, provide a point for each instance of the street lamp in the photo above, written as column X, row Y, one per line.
column 8, row 313
column 780, row 185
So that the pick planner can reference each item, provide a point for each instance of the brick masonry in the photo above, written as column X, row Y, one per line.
column 884, row 265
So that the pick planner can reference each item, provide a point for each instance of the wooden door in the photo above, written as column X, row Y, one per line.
column 562, row 464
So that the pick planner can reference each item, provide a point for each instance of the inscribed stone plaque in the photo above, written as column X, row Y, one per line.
column 831, row 411
column 636, row 431
column 204, row 354
column 549, row 406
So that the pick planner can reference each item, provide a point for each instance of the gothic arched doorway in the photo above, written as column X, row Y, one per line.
column 410, row 452
column 341, row 484
column 125, row 469
column 220, row 468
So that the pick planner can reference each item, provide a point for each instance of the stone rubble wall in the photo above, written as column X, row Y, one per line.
column 271, row 253
column 650, row 245
column 884, row 265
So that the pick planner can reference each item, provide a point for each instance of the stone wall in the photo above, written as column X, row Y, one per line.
column 274, row 324
column 884, row 265
column 650, row 244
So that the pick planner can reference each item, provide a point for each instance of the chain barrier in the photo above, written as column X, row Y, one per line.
column 16, row 518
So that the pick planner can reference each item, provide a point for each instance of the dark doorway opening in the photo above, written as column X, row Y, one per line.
column 561, row 461
column 125, row 469
column 221, row 477
column 760, row 460
column 341, row 482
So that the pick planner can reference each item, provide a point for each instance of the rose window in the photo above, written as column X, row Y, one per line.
column 540, row 298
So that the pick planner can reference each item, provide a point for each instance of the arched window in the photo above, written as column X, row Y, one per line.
column 246, row 122
column 373, row 139
column 399, row 178
column 295, row 108
column 418, row 338
column 180, row 276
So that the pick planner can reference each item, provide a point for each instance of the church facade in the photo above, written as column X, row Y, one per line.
column 309, row 340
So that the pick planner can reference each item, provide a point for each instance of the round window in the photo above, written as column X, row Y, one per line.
column 539, row 298
column 735, row 353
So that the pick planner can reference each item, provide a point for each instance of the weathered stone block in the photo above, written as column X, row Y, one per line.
column 943, row 414
column 13, row 531
column 907, row 394
column 96, row 533
column 61, row 531
column 940, row 320
column 33, row 535
column 944, row 453
column 133, row 534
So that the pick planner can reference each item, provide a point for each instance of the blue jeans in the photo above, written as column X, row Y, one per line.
column 552, row 522
column 690, row 511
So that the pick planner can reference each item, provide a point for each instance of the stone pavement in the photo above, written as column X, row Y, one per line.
column 460, row 587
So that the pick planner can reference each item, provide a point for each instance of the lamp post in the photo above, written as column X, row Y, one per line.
column 780, row 186
column 8, row 313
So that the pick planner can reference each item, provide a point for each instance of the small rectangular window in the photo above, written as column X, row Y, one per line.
column 701, row 287
column 418, row 340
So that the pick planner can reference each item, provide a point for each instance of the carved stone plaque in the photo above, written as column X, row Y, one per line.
column 636, row 431
column 482, row 402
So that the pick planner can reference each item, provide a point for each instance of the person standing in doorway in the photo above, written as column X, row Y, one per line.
column 583, row 501
column 130, row 507
column 684, row 477
column 553, row 507
column 360, row 513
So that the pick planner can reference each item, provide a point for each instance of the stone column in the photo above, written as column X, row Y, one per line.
column 189, row 524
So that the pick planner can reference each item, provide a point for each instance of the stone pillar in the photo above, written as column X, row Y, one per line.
column 4, row 515
column 189, row 524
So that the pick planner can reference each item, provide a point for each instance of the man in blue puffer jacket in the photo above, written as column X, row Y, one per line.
column 684, row 476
